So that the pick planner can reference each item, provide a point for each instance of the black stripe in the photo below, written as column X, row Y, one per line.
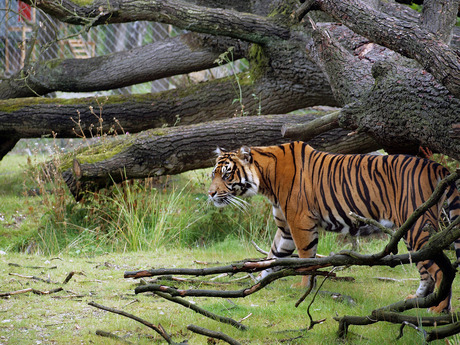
column 311, row 245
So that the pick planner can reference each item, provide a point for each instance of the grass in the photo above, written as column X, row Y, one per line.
column 163, row 223
column 66, row 318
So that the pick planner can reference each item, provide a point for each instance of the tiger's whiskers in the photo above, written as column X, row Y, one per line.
column 241, row 204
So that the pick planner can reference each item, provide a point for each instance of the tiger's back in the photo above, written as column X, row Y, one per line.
column 387, row 188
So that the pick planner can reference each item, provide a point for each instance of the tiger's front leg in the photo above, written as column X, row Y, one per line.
column 305, row 235
column 283, row 245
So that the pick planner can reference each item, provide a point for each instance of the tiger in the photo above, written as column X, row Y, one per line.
column 311, row 189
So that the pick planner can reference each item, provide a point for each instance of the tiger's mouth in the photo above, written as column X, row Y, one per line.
column 222, row 200
column 218, row 201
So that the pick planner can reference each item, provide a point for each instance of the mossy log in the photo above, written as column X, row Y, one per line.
column 177, row 149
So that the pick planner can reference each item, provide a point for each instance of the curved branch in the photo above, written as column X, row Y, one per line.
column 190, row 52
column 159, row 329
column 233, row 293
column 449, row 181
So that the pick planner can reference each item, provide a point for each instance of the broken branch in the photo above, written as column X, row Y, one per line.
column 159, row 329
column 307, row 131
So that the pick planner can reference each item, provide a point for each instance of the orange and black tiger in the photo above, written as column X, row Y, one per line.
column 310, row 189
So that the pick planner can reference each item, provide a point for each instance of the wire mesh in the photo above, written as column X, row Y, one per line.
column 27, row 34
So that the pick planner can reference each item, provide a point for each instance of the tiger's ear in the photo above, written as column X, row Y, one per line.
column 219, row 151
column 245, row 154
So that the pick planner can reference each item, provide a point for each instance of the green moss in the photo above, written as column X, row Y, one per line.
column 90, row 156
column 157, row 133
column 82, row 2
column 105, row 150
column 283, row 12
column 53, row 64
column 258, row 61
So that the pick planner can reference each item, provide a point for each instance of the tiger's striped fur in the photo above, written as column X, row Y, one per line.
column 310, row 189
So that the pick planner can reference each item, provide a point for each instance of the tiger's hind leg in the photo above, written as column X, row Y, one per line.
column 283, row 245
column 430, row 278
column 430, row 273
column 436, row 275
column 457, row 251
column 426, row 285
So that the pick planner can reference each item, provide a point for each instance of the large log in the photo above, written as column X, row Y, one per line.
column 178, row 149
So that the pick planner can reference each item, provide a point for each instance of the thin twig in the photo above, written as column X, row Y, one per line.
column 313, row 323
column 17, row 292
column 373, row 222
column 48, row 281
column 212, row 334
column 187, row 280
column 418, row 329
column 38, row 292
column 35, row 291
column 310, row 288
column 159, row 329
column 33, row 267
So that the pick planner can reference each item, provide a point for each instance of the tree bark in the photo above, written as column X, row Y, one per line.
column 175, row 150
column 419, row 124
column 380, row 102
column 413, row 41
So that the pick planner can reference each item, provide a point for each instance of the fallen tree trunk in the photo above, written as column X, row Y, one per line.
column 178, row 149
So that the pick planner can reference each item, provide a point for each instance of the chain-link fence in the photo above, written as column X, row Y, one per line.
column 21, row 25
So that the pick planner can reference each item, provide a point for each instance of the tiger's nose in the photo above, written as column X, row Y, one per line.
column 212, row 193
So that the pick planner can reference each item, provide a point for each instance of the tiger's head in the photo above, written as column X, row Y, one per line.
column 233, row 176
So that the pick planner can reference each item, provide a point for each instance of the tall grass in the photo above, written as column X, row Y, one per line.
column 139, row 216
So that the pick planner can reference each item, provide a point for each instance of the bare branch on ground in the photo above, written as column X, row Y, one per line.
column 212, row 334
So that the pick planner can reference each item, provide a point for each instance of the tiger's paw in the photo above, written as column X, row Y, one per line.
column 305, row 282
column 439, row 310
column 443, row 307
